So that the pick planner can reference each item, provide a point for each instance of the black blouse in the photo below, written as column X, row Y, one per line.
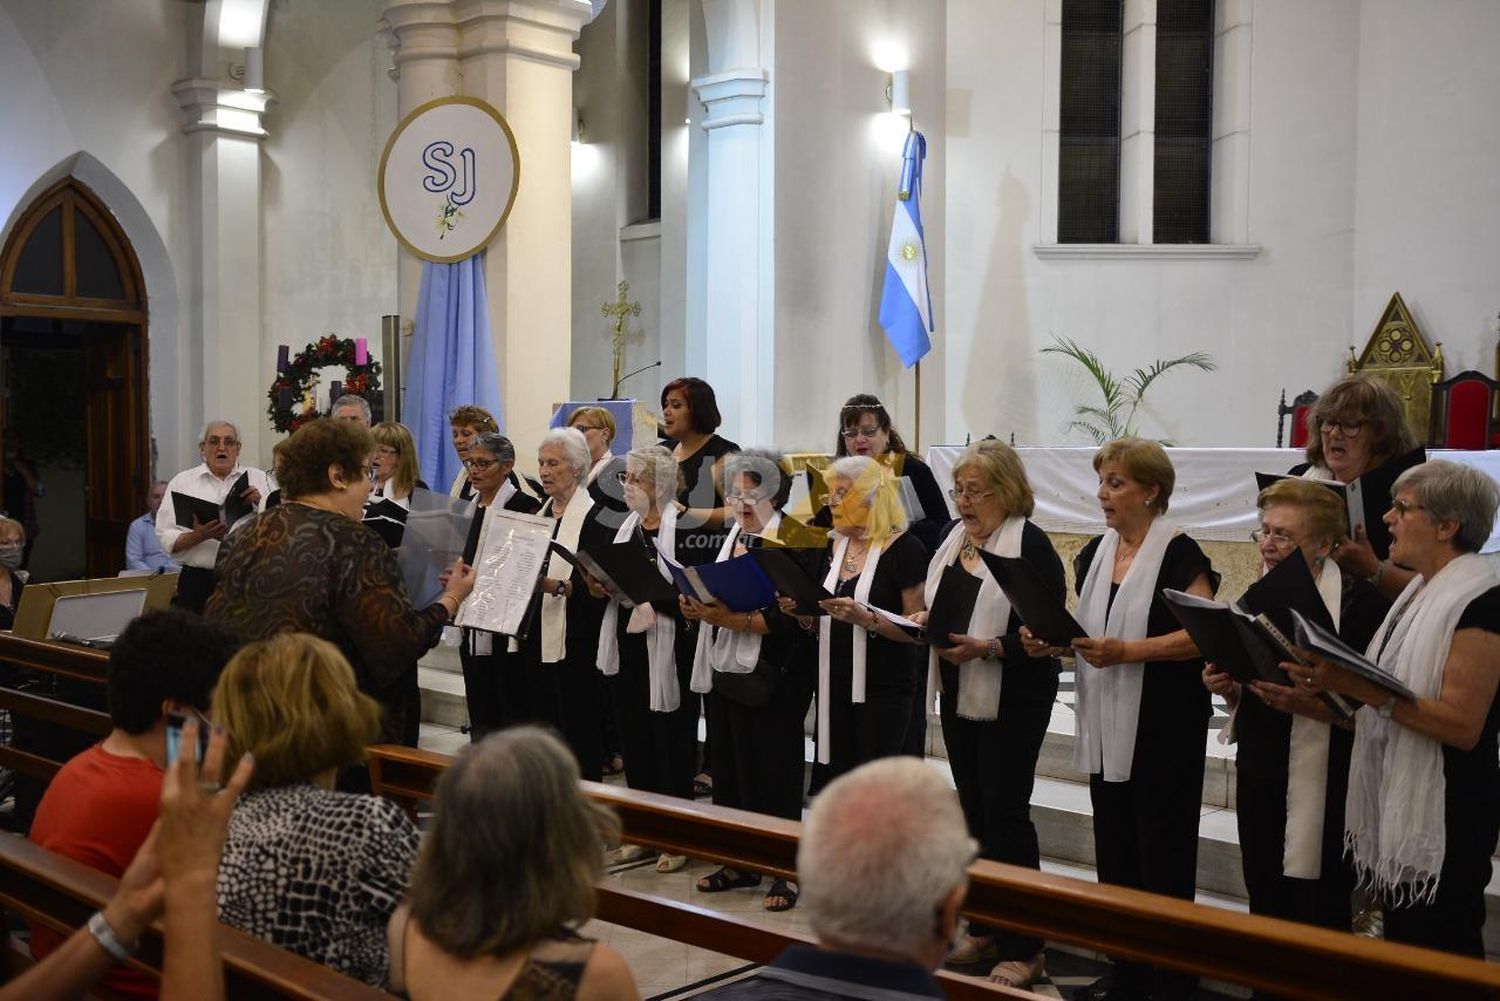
column 1473, row 776
column 903, row 564
column 703, row 493
column 1172, row 692
column 1036, row 549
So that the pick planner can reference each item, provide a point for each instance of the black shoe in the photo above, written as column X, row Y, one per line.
column 1105, row 989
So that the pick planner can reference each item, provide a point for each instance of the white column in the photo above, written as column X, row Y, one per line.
column 516, row 55
column 223, row 127
column 739, row 333
column 1138, row 122
column 424, row 43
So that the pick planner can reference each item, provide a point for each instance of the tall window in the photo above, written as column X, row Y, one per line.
column 1184, row 120
column 653, row 114
column 1088, row 165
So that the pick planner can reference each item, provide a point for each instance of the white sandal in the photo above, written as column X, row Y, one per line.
column 671, row 863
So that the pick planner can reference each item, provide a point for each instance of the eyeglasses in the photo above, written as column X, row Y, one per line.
column 480, row 465
column 214, row 441
column 589, row 427
column 1281, row 542
column 1350, row 429
column 852, row 433
column 972, row 495
column 635, row 478
column 1401, row 507
column 744, row 498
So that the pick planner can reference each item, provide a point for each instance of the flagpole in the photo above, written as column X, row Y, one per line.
column 917, row 427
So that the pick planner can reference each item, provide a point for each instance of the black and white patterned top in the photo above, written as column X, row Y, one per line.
column 318, row 872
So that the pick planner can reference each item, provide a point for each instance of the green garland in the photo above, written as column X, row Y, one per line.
column 296, row 382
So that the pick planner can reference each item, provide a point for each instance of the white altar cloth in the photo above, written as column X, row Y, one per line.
column 1214, row 497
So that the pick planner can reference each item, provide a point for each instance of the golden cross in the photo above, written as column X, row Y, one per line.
column 620, row 309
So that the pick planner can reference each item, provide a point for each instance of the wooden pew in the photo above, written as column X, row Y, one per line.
column 56, row 892
column 1280, row 957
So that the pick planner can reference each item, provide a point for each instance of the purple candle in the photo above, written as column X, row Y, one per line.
column 282, row 359
column 335, row 391
column 284, row 399
column 361, row 351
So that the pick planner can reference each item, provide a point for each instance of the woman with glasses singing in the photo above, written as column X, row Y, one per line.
column 493, row 685
column 996, row 698
column 1358, row 431
column 1142, row 710
column 1423, row 811
column 865, row 429
column 869, row 671
column 754, row 670
column 646, row 652
column 308, row 565
column 1292, row 764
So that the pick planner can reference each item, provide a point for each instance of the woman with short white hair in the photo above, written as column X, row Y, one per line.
column 559, row 684
column 1423, row 810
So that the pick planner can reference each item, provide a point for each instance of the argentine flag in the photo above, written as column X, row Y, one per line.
column 906, row 303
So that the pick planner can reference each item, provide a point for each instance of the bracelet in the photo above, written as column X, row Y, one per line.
column 749, row 622
column 1374, row 579
column 995, row 648
column 108, row 941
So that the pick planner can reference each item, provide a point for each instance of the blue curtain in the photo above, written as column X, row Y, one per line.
column 452, row 362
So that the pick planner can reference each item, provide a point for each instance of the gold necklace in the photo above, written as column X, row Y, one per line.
column 851, row 559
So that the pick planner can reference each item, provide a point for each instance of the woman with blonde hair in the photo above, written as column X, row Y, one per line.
column 505, row 878
column 307, row 868
column 393, row 467
column 603, row 479
column 868, row 667
column 996, row 699
column 1142, row 710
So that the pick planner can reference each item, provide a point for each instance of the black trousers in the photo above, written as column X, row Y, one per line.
column 1146, row 834
column 1261, row 818
column 875, row 728
column 757, row 753
column 567, row 695
column 1454, row 922
column 994, row 767
column 496, row 687
column 660, row 748
column 915, row 744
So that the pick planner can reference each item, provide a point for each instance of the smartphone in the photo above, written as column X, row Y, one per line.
column 175, row 723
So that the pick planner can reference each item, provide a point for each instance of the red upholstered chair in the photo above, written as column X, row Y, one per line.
column 1298, row 411
column 1463, row 409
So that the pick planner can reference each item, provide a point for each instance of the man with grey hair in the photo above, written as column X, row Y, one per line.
column 352, row 408
column 192, row 537
column 142, row 549
column 882, row 863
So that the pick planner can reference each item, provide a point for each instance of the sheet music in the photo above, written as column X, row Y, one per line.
column 437, row 526
column 1356, row 499
column 513, row 549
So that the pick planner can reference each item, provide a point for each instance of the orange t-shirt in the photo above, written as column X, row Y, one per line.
column 98, row 810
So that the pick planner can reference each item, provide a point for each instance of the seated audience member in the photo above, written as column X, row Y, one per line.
column 878, row 936
column 13, row 578
column 101, row 804
column 197, row 547
column 307, row 868
column 352, row 408
column 505, row 877
column 310, row 566
column 142, row 549
column 172, row 876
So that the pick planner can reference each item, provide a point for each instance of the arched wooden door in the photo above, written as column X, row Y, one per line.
column 73, row 368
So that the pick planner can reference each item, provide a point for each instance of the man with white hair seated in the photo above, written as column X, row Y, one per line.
column 883, row 866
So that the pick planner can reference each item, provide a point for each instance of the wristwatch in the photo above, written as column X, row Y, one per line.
column 1385, row 710
column 105, row 936
column 561, row 589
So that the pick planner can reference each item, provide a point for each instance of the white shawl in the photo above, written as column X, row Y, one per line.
column 555, row 607
column 858, row 641
column 660, row 630
column 1307, row 761
column 732, row 651
column 978, row 679
column 598, row 468
column 1109, row 699
column 1394, row 822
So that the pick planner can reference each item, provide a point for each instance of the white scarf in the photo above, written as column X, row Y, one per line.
column 554, row 606
column 660, row 630
column 1109, row 699
column 978, row 679
column 598, row 468
column 732, row 651
column 1394, row 822
column 1318, row 473
column 1307, row 761
column 825, row 639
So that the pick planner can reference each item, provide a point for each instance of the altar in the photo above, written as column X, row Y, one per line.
column 1214, row 497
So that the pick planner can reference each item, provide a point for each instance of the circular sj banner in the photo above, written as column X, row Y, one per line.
column 448, row 178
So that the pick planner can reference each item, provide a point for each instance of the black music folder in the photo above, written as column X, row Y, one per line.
column 628, row 571
column 1322, row 641
column 1040, row 608
column 187, row 508
column 386, row 519
column 952, row 606
column 790, row 579
column 236, row 506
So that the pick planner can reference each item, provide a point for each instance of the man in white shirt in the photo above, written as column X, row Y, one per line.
column 197, row 547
